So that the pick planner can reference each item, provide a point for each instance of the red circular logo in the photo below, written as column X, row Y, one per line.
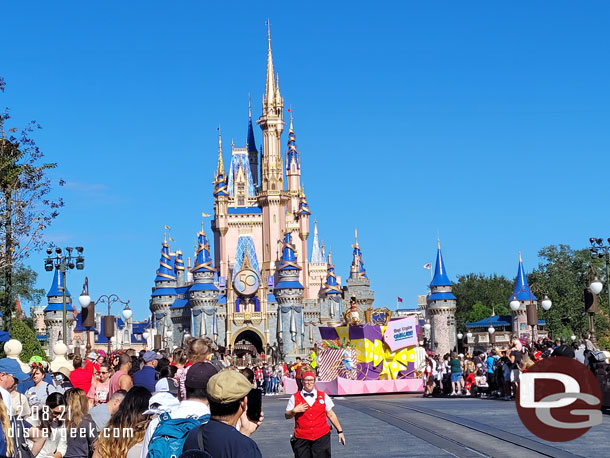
column 559, row 399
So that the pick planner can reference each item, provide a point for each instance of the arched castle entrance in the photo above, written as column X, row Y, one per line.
column 248, row 343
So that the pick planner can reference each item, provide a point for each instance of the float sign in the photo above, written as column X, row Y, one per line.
column 401, row 333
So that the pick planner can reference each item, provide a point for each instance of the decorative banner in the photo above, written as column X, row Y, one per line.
column 222, row 282
column 401, row 333
column 270, row 282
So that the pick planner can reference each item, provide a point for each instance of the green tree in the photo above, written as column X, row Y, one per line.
column 24, row 285
column 563, row 275
column 488, row 293
column 26, row 205
column 26, row 336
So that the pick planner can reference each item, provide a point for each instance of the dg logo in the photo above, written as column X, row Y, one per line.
column 559, row 399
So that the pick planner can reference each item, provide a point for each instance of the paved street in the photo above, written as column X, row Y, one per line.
column 403, row 425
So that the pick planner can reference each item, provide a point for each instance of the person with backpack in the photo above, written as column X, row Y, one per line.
column 123, row 435
column 166, row 434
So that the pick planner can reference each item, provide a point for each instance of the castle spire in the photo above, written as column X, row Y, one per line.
column 289, row 260
column 331, row 286
column 357, row 269
column 316, row 254
column 220, row 169
column 440, row 274
column 522, row 290
column 203, row 261
column 270, row 87
column 165, row 272
column 292, row 155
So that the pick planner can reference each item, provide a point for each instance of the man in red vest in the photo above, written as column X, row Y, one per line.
column 310, row 408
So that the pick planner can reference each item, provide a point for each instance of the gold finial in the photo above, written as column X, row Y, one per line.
column 221, row 166
column 438, row 243
column 290, row 111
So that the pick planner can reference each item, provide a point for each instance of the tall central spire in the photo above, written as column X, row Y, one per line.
column 270, row 88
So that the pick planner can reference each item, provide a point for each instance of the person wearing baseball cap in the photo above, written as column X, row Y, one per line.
column 310, row 409
column 228, row 398
column 147, row 376
column 10, row 374
column 194, row 405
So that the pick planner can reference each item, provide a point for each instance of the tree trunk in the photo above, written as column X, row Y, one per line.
column 8, row 305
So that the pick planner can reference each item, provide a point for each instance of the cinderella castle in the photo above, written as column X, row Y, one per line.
column 260, row 291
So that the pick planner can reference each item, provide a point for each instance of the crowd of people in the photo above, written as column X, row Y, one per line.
column 192, row 403
column 130, row 404
column 496, row 373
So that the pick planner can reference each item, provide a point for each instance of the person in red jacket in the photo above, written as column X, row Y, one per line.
column 310, row 408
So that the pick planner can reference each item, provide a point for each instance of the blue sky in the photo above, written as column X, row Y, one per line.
column 485, row 123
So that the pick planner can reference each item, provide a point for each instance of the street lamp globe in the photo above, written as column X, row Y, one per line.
column 127, row 312
column 491, row 330
column 546, row 303
column 146, row 334
column 573, row 337
column 427, row 326
column 71, row 347
column 469, row 335
column 460, row 335
column 84, row 300
column 596, row 286
column 515, row 304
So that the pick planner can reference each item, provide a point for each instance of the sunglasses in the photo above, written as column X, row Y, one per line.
column 56, row 413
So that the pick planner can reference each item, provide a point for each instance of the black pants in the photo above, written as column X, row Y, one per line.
column 299, row 383
column 303, row 448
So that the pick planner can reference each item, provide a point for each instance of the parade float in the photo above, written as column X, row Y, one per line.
column 371, row 356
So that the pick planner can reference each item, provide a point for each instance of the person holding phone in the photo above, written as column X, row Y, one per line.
column 310, row 409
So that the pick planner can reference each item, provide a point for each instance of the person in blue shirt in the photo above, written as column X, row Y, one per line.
column 147, row 376
column 491, row 377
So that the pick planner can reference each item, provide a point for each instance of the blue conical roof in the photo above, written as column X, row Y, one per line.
column 331, row 286
column 58, row 283
column 166, row 265
column 250, row 141
column 293, row 154
column 522, row 290
column 304, row 207
column 179, row 263
column 440, row 274
column 203, row 261
column 289, row 260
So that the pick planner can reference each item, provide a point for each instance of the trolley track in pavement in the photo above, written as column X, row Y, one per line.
column 457, row 436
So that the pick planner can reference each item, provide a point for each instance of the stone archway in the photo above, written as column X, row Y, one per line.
column 248, row 341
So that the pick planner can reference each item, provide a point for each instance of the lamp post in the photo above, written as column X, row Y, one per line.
column 531, row 307
column 491, row 331
column 109, row 319
column 600, row 251
column 64, row 261
column 591, row 305
column 87, row 312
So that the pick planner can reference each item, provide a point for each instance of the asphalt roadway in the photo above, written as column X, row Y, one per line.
column 410, row 426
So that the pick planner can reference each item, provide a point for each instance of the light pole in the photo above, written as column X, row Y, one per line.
column 109, row 319
column 600, row 251
column 591, row 305
column 532, row 309
column 64, row 262
column 491, row 331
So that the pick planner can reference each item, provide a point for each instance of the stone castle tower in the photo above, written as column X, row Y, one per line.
column 53, row 312
column 525, row 296
column 441, row 309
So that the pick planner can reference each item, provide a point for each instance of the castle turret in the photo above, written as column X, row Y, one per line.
column 293, row 170
column 203, row 294
column 524, row 295
column 441, row 309
column 289, row 295
column 358, row 285
column 179, row 269
column 53, row 312
column 220, row 224
column 331, row 292
column 164, row 294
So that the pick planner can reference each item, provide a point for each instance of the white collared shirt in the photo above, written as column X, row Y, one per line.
column 328, row 402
